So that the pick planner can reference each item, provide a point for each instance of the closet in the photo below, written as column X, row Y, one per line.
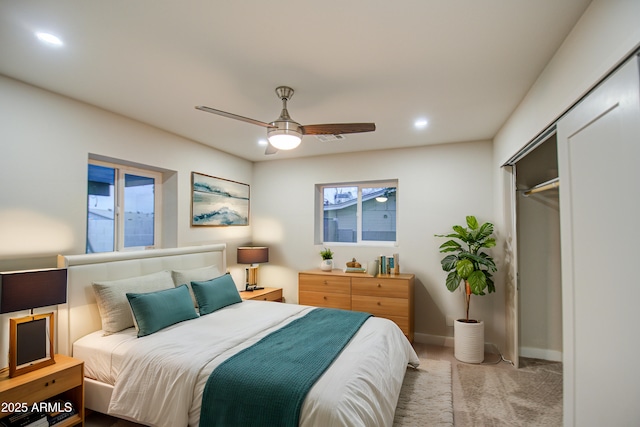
column 574, row 249
column 539, row 268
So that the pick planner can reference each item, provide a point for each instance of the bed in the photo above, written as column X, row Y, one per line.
column 159, row 379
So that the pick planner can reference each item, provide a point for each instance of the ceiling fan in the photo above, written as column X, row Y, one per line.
column 286, row 134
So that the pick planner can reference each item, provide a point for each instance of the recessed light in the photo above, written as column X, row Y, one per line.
column 421, row 123
column 262, row 142
column 49, row 39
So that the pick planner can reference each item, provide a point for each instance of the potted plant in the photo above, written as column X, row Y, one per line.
column 468, row 264
column 327, row 259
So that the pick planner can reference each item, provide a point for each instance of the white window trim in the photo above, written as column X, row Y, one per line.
column 319, row 213
column 121, row 170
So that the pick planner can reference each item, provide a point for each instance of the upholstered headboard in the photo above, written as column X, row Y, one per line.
column 80, row 315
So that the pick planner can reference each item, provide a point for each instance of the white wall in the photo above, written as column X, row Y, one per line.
column 46, row 140
column 437, row 187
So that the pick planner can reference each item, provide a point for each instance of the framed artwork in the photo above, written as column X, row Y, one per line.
column 218, row 202
column 30, row 343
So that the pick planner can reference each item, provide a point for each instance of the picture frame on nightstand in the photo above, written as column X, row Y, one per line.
column 30, row 343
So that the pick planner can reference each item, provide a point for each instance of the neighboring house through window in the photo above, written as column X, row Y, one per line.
column 123, row 205
column 362, row 212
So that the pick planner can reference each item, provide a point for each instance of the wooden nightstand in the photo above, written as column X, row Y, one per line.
column 266, row 294
column 64, row 379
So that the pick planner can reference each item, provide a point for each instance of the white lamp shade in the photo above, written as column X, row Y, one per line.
column 284, row 140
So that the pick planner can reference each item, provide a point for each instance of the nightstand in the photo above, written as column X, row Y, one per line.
column 266, row 294
column 64, row 379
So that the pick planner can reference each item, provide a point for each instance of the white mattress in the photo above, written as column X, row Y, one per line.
column 158, row 380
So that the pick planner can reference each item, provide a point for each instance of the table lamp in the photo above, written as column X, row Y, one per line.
column 31, row 338
column 252, row 255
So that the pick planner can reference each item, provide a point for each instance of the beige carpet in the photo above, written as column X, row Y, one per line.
column 492, row 396
column 426, row 398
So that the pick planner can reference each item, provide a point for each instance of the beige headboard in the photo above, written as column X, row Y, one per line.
column 80, row 316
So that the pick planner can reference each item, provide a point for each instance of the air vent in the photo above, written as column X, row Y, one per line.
column 327, row 138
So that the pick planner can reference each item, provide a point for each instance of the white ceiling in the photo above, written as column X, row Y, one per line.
column 462, row 64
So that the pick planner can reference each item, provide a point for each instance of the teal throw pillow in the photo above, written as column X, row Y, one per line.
column 216, row 293
column 154, row 311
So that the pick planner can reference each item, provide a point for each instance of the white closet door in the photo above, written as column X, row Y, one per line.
column 599, row 167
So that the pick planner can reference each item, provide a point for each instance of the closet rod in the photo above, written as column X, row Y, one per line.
column 548, row 185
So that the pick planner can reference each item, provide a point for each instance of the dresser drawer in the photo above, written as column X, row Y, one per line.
column 272, row 296
column 380, row 306
column 325, row 284
column 42, row 388
column 380, row 287
column 324, row 299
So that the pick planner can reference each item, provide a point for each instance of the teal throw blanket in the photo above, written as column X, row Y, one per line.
column 266, row 384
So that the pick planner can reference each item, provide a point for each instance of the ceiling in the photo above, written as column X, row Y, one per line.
column 464, row 65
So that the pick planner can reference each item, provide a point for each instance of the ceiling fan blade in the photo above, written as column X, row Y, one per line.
column 337, row 128
column 270, row 150
column 233, row 116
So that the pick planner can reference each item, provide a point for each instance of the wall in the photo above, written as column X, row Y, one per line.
column 437, row 187
column 46, row 140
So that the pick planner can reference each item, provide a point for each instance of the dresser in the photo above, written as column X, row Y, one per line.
column 389, row 295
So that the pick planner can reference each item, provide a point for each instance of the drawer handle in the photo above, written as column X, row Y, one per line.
column 325, row 282
column 325, row 298
column 379, row 303
column 47, row 383
column 379, row 285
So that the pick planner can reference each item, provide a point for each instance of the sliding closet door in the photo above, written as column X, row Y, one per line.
column 599, row 167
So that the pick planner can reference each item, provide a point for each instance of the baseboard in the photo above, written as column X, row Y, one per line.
column 541, row 353
column 433, row 339
column 448, row 342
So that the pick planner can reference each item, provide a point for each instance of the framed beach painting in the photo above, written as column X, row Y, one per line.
column 218, row 202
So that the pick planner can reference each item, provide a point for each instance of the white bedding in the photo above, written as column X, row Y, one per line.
column 159, row 379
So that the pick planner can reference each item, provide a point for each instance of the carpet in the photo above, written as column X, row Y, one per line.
column 505, row 396
column 426, row 397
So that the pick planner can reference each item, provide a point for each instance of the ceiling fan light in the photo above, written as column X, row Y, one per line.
column 285, row 139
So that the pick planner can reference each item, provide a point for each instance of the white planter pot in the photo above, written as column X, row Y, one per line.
column 468, row 341
column 327, row 265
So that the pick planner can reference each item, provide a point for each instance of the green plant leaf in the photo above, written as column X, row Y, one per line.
column 477, row 282
column 464, row 268
column 454, row 235
column 482, row 259
column 489, row 243
column 449, row 262
column 485, row 230
column 462, row 233
column 490, row 286
column 453, row 281
column 450, row 246
column 472, row 222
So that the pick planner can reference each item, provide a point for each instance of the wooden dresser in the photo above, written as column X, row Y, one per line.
column 389, row 296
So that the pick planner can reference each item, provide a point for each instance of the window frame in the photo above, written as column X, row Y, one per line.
column 119, row 185
column 319, row 212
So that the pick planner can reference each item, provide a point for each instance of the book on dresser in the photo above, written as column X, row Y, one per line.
column 385, row 295
column 25, row 419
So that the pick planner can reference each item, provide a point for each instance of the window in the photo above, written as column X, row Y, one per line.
column 122, row 207
column 356, row 212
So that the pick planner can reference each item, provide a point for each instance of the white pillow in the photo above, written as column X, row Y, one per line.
column 202, row 274
column 112, row 299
